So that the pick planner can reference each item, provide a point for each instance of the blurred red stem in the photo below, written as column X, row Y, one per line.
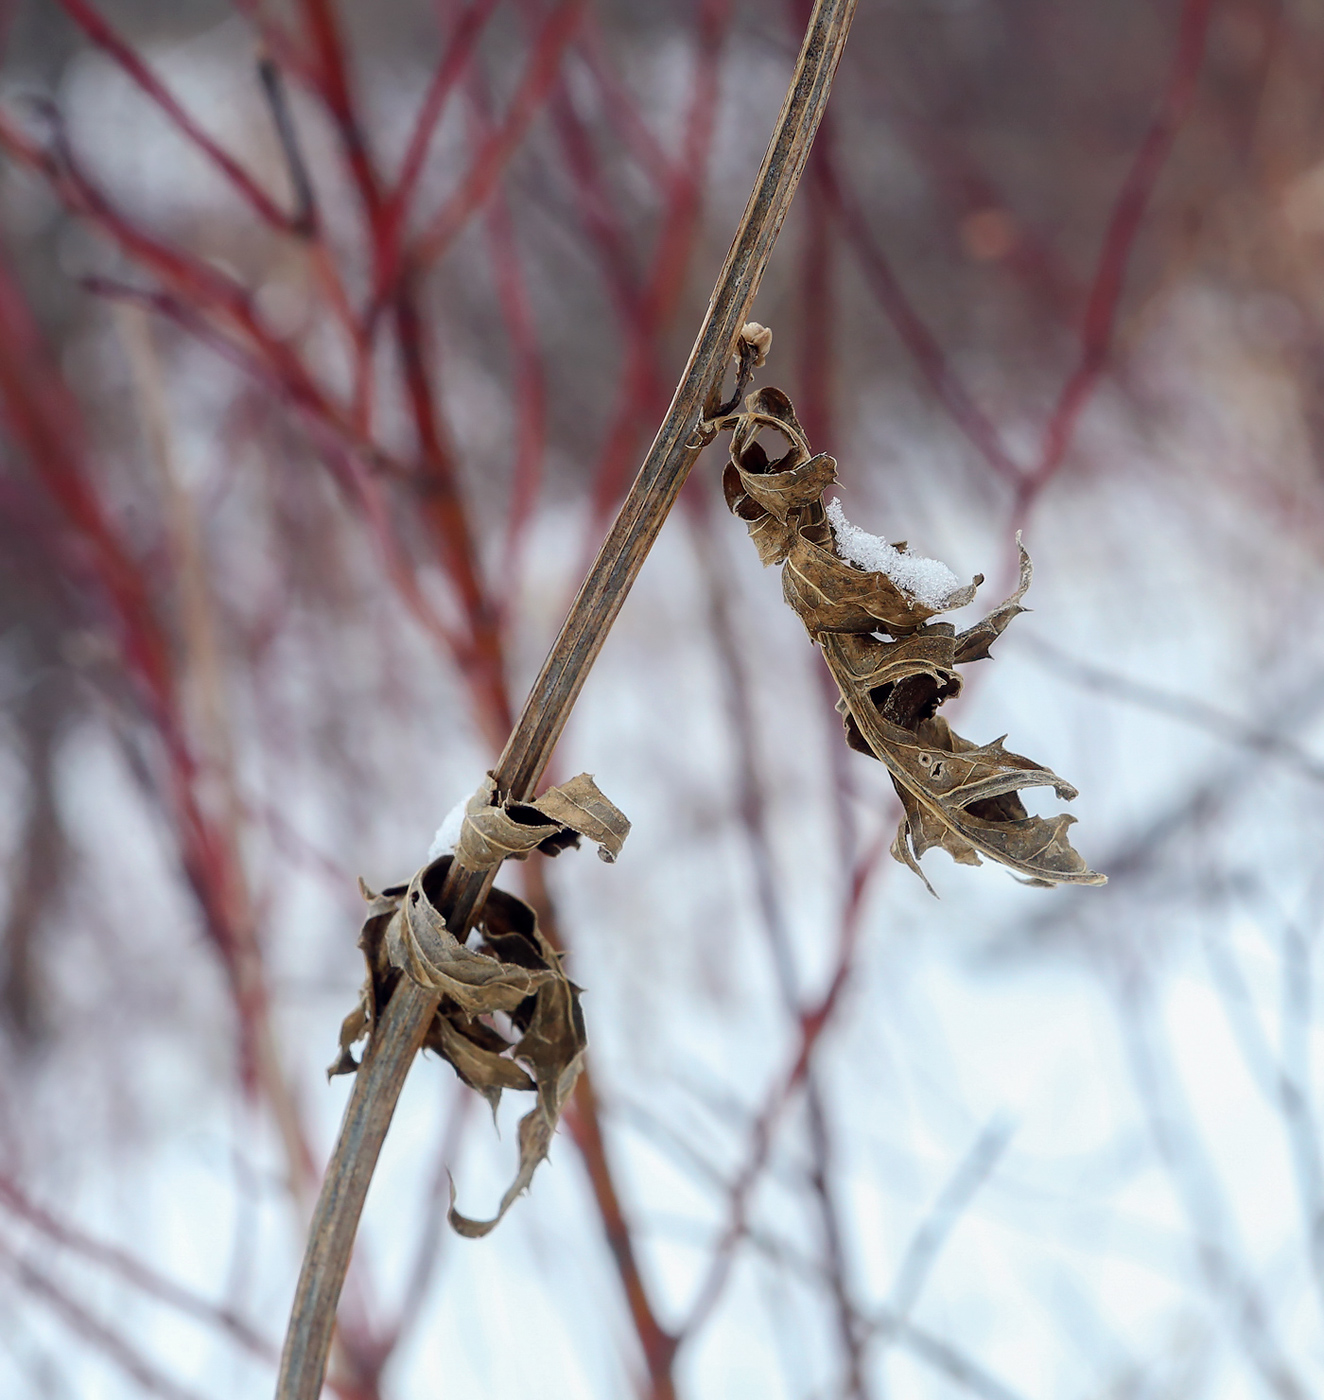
column 104, row 37
column 642, row 392
column 1118, row 243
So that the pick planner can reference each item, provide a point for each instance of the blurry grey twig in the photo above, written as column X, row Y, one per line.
column 1298, row 1003
column 812, row 1022
column 952, row 1363
column 107, row 1341
column 834, row 1241
column 132, row 1271
column 940, row 1355
column 752, row 801
column 1180, row 707
column 935, row 1229
column 304, row 219
column 399, row 1030
column 37, row 867
column 651, row 1125
column 1284, row 1081
column 1148, row 850
column 1179, row 1145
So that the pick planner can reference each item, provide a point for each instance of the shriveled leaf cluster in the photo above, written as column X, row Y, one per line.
column 893, row 666
column 505, row 969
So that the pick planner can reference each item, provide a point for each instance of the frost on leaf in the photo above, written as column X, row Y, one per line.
column 893, row 665
column 507, row 1016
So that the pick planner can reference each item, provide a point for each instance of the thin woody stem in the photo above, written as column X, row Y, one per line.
column 403, row 1023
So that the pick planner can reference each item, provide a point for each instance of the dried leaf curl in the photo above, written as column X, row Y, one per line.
column 497, row 830
column 512, row 971
column 894, row 666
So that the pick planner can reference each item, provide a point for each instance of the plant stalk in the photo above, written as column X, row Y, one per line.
column 399, row 1032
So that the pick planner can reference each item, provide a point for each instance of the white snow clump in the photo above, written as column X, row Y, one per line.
column 448, row 833
column 928, row 581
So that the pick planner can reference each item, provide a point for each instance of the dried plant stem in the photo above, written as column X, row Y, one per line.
column 396, row 1037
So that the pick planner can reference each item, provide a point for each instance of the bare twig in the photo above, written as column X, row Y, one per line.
column 813, row 1022
column 936, row 1352
column 304, row 220
column 917, row 1263
column 1181, row 1147
column 149, row 1379
column 1096, row 336
column 100, row 32
column 132, row 1271
column 1186, row 708
column 751, row 791
column 1283, row 1079
column 916, row 335
column 401, row 1027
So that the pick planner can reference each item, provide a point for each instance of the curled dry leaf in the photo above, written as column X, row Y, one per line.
column 894, row 666
column 512, row 971
column 495, row 831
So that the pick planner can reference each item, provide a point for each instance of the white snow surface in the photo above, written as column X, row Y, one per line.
column 928, row 581
column 448, row 833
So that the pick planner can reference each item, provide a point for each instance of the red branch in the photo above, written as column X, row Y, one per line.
column 487, row 165
column 659, row 1346
column 104, row 37
column 915, row 334
column 641, row 391
column 529, row 374
column 1119, row 240
column 1099, row 322
column 449, row 71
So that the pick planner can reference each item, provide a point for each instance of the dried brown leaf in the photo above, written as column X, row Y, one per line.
column 494, row 831
column 381, row 978
column 512, row 969
column 579, row 806
column 780, row 493
column 553, row 1048
column 424, row 949
column 480, row 1064
column 872, row 662
column 772, row 537
column 831, row 595
column 768, row 408
column 956, row 795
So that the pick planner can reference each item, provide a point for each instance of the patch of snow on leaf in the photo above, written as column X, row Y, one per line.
column 928, row 581
column 448, row 833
